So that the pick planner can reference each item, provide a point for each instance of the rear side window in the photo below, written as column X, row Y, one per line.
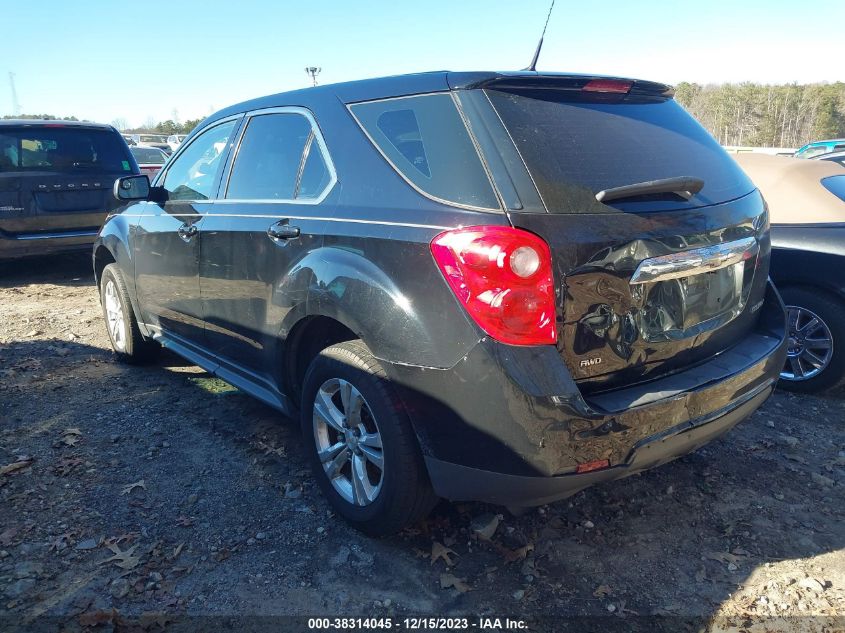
column 63, row 150
column 835, row 185
column 425, row 140
column 279, row 158
column 575, row 147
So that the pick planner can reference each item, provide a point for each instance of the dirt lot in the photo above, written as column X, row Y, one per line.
column 132, row 495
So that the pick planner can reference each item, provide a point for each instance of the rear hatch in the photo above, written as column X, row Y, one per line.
column 653, row 278
column 56, row 177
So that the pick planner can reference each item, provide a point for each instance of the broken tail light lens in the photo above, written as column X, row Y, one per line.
column 503, row 277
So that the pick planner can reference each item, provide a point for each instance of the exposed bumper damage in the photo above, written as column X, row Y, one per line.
column 508, row 425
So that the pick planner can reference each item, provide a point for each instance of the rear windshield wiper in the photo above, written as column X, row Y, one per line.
column 684, row 186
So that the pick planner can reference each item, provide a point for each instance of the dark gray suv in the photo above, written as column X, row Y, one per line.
column 56, row 179
column 501, row 287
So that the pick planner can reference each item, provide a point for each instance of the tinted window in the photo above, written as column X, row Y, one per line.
column 62, row 149
column 192, row 174
column 425, row 139
column 148, row 155
column 269, row 157
column 836, row 186
column 575, row 147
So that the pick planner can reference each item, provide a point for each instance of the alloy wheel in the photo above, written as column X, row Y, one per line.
column 810, row 345
column 114, row 316
column 348, row 442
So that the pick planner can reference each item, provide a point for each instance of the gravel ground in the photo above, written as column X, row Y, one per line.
column 133, row 496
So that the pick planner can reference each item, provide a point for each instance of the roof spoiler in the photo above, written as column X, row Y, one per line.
column 552, row 81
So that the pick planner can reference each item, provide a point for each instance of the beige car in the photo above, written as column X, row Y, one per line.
column 806, row 201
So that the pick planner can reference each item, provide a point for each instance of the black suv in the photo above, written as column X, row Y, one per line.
column 56, row 179
column 500, row 287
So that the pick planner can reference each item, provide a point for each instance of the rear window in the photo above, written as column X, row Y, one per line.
column 63, row 149
column 148, row 155
column 425, row 140
column 575, row 147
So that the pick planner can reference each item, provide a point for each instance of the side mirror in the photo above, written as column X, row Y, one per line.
column 132, row 188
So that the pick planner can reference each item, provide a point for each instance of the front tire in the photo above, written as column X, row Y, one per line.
column 816, row 356
column 126, row 339
column 361, row 446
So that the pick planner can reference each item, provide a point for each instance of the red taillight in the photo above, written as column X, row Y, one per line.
column 503, row 277
column 607, row 85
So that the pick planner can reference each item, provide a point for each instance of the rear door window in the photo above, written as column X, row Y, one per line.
column 424, row 138
column 575, row 146
column 280, row 157
column 63, row 149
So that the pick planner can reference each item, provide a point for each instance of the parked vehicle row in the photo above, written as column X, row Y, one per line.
column 150, row 159
column 806, row 200
column 515, row 293
column 56, row 181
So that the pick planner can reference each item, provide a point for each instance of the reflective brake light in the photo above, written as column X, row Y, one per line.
column 503, row 277
column 607, row 85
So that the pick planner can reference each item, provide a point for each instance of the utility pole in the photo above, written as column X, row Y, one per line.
column 313, row 71
column 16, row 106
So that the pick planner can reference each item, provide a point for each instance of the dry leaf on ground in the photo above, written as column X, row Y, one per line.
column 513, row 555
column 130, row 487
column 18, row 465
column 98, row 618
column 448, row 580
column 71, row 436
column 123, row 559
column 438, row 551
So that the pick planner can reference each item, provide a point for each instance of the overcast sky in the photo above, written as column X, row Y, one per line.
column 102, row 60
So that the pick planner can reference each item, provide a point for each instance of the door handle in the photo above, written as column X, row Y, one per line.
column 283, row 231
column 187, row 231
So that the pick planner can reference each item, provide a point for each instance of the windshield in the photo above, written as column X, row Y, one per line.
column 62, row 149
column 575, row 147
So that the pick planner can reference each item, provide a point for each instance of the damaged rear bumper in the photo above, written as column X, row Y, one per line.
column 508, row 425
column 456, row 482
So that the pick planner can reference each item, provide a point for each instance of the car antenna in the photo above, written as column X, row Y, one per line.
column 533, row 65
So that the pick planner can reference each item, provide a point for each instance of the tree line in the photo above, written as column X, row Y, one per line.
column 786, row 115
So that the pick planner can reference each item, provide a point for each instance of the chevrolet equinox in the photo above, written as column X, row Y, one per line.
column 503, row 287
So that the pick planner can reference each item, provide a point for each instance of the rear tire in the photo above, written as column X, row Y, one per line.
column 351, row 422
column 126, row 339
column 809, row 304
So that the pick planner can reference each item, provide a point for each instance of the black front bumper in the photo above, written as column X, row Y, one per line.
column 508, row 425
